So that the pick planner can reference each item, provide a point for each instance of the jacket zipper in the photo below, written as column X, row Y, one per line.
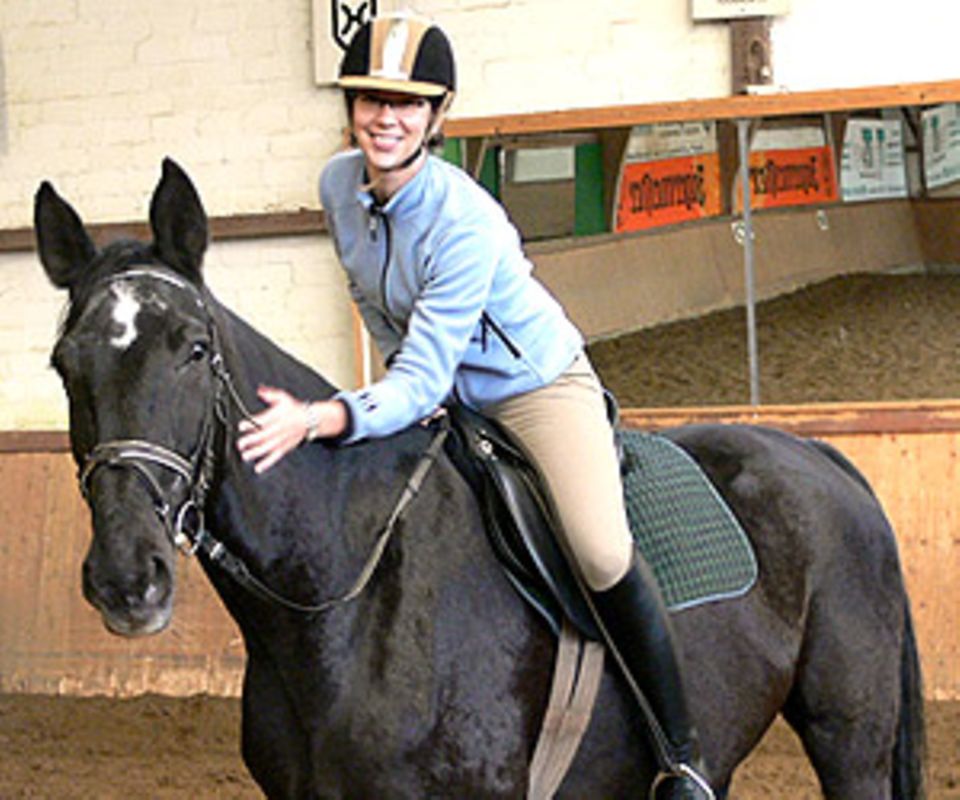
column 486, row 321
column 377, row 214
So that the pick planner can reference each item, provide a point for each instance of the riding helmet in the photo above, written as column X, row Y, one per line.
column 400, row 53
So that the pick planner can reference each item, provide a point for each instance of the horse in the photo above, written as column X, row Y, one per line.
column 429, row 677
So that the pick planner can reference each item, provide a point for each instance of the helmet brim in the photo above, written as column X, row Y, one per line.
column 376, row 83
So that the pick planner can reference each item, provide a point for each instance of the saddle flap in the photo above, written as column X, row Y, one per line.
column 519, row 520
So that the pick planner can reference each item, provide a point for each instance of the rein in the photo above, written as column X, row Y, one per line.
column 217, row 552
column 185, row 523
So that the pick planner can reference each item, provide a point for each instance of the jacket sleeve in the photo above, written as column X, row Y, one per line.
column 386, row 336
column 457, row 284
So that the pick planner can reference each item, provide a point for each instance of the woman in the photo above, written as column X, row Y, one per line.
column 444, row 288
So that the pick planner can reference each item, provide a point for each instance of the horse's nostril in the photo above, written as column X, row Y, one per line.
column 158, row 587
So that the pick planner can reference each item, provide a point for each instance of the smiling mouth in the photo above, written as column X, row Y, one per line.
column 386, row 141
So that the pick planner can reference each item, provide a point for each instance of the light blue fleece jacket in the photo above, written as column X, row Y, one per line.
column 445, row 289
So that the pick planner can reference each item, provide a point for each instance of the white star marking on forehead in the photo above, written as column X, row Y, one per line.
column 125, row 310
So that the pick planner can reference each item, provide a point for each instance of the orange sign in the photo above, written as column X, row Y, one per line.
column 790, row 178
column 654, row 193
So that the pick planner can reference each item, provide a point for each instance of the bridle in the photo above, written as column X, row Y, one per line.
column 184, row 522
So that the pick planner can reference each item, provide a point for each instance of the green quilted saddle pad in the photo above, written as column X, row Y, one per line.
column 687, row 533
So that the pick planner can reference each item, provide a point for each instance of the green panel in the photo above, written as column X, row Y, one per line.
column 453, row 151
column 589, row 217
column 490, row 172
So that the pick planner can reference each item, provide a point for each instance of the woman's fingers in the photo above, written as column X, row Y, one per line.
column 272, row 433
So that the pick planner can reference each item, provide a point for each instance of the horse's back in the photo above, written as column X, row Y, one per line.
column 772, row 476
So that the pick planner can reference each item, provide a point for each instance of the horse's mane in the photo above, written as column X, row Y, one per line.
column 280, row 367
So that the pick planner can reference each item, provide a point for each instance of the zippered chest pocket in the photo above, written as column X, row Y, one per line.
column 489, row 328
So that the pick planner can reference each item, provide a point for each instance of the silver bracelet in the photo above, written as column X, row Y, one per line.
column 313, row 421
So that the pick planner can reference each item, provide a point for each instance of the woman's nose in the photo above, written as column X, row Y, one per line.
column 386, row 113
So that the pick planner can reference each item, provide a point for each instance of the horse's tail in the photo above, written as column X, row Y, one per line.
column 909, row 752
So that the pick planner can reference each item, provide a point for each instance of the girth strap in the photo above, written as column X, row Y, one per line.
column 576, row 680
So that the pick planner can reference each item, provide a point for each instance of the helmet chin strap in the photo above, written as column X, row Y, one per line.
column 410, row 160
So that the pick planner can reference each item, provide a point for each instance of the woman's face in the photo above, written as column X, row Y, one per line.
column 389, row 128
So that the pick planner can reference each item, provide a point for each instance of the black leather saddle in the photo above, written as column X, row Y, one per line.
column 520, row 523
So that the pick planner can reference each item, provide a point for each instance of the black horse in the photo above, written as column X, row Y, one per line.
column 432, row 680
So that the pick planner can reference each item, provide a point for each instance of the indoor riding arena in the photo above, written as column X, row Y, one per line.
column 750, row 209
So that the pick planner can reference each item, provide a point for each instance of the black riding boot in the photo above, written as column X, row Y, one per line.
column 634, row 622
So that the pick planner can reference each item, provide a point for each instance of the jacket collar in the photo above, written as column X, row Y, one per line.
column 406, row 198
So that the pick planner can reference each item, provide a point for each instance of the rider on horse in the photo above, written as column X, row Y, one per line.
column 440, row 278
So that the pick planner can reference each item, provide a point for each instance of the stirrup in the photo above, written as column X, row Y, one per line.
column 682, row 772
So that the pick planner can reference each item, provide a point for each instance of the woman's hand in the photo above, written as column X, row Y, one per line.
column 272, row 433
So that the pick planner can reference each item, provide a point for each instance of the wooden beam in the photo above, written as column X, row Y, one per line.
column 303, row 222
column 721, row 108
column 34, row 442
column 812, row 419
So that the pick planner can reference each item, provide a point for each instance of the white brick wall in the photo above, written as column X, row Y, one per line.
column 530, row 55
column 96, row 93
column 30, row 394
column 290, row 287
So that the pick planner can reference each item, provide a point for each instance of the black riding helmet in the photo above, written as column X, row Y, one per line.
column 400, row 53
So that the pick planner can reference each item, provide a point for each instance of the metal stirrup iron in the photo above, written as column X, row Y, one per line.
column 682, row 772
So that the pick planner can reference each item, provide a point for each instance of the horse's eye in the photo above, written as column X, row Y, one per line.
column 199, row 351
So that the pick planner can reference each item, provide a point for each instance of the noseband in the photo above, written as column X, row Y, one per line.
column 183, row 521
column 142, row 456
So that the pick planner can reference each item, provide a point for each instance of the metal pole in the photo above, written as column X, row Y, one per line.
column 743, row 138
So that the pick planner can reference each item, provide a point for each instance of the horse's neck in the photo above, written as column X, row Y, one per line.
column 253, row 360
column 288, row 522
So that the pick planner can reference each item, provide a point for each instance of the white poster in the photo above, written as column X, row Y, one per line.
column 657, row 141
column 873, row 166
column 941, row 145
column 731, row 9
column 334, row 24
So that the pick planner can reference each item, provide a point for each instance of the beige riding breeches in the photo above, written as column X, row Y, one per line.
column 565, row 431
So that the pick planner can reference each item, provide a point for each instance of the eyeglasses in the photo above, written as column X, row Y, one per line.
column 403, row 105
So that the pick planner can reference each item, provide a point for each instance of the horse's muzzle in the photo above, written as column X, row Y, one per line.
column 138, row 602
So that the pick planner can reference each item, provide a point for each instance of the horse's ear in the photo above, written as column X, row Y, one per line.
column 64, row 247
column 178, row 221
